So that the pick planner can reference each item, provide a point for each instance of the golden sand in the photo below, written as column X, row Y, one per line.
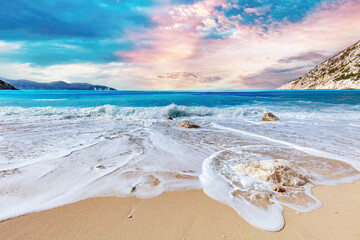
column 186, row 215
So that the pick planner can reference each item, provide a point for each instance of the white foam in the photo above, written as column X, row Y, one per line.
column 50, row 100
column 353, row 162
column 49, row 156
column 129, row 113
column 217, row 187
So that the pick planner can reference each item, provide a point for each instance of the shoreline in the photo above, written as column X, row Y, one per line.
column 186, row 215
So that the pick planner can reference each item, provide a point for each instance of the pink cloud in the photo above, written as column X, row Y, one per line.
column 248, row 57
column 183, row 80
column 179, row 31
column 251, row 10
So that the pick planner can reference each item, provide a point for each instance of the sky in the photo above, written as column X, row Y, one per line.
column 173, row 44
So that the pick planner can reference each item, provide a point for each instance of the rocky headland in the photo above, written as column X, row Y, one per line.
column 339, row 72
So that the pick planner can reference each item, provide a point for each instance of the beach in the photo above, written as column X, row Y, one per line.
column 179, row 119
column 79, row 163
column 186, row 215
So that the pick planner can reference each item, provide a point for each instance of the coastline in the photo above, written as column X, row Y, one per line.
column 186, row 215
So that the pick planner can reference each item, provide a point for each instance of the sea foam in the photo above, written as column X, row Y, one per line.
column 52, row 156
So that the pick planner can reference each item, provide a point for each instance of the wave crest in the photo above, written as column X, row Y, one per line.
column 116, row 112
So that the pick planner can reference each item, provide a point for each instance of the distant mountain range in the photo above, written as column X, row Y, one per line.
column 339, row 72
column 58, row 85
column 6, row 86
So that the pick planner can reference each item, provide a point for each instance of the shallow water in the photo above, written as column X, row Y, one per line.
column 57, row 147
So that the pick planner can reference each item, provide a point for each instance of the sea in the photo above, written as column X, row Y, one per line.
column 59, row 147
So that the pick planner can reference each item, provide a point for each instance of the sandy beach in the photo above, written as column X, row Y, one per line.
column 186, row 215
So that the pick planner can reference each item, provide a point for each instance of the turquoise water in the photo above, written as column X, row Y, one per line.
column 58, row 147
column 163, row 98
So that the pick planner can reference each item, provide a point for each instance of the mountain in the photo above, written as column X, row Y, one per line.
column 339, row 72
column 59, row 85
column 6, row 86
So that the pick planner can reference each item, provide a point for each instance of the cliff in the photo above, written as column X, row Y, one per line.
column 339, row 72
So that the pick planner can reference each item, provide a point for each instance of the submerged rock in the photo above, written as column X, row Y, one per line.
column 281, row 172
column 262, row 196
column 187, row 124
column 270, row 117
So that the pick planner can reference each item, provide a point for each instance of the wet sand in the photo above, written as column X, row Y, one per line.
column 186, row 215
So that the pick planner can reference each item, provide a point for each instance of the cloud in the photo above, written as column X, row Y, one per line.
column 8, row 47
column 185, row 31
column 118, row 75
column 312, row 56
column 62, row 51
column 211, row 79
column 180, row 75
column 183, row 80
column 251, row 10
column 271, row 78
column 177, row 32
column 190, row 44
column 268, row 12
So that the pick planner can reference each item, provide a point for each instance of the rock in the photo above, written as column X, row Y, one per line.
column 100, row 167
column 170, row 118
column 269, row 117
column 280, row 171
column 156, row 182
column 278, row 188
column 187, row 124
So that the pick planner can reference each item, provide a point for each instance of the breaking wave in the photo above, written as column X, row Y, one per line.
column 173, row 110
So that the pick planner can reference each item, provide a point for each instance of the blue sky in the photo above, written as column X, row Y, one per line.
column 133, row 42
column 71, row 31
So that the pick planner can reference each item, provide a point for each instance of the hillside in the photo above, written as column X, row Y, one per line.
column 339, row 72
column 58, row 85
column 6, row 86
